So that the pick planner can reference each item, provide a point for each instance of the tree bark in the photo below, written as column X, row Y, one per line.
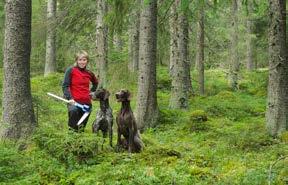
column 179, row 58
column 101, row 43
column 173, row 38
column 250, row 41
column 185, row 52
column 134, row 40
column 277, row 105
column 200, row 51
column 147, row 108
column 50, row 62
column 234, row 65
column 18, row 115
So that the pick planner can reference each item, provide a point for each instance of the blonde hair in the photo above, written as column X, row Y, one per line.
column 81, row 54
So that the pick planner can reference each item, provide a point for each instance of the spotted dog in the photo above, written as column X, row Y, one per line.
column 104, row 116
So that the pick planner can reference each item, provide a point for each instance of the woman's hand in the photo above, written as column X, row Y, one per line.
column 71, row 102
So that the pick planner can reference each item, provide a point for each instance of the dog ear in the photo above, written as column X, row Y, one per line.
column 107, row 94
column 92, row 95
column 129, row 97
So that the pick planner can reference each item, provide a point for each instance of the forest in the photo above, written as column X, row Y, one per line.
column 208, row 89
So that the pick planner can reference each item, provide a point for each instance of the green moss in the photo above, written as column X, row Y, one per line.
column 170, row 116
column 284, row 137
column 282, row 178
column 198, row 121
column 221, row 139
column 224, row 95
column 198, row 116
column 163, row 79
column 198, row 171
column 255, row 83
column 68, row 147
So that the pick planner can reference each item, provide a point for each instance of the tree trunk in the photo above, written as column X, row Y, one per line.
column 173, row 38
column 18, row 115
column 134, row 40
column 184, row 48
column 50, row 62
column 101, row 43
column 277, row 106
column 255, row 58
column 200, row 51
column 147, row 108
column 250, row 41
column 179, row 58
column 234, row 65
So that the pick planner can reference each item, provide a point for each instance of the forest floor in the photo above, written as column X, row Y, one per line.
column 231, row 147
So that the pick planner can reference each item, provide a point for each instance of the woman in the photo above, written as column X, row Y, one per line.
column 76, row 89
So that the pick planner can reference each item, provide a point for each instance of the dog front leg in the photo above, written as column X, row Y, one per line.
column 130, row 140
column 95, row 126
column 110, row 132
column 118, row 140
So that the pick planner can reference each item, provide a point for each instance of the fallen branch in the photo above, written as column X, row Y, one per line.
column 271, row 167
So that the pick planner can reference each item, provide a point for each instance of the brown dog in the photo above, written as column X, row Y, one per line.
column 127, row 125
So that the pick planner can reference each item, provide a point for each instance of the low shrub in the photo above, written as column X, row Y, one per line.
column 284, row 137
column 243, row 137
column 164, row 84
column 255, row 83
column 198, row 121
column 234, row 106
column 12, row 163
column 67, row 147
column 163, row 79
column 226, row 95
column 169, row 116
column 198, row 116
column 282, row 178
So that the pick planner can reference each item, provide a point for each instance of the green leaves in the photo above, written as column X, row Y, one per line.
column 118, row 13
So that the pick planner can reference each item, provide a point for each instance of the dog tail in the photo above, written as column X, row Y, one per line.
column 138, row 144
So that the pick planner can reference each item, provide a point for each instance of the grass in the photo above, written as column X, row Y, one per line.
column 227, row 145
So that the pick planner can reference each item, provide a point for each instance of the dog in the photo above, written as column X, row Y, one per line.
column 104, row 116
column 127, row 125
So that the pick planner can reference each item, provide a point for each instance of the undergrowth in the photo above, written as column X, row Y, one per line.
column 220, row 139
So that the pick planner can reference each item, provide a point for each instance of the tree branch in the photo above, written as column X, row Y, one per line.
column 271, row 167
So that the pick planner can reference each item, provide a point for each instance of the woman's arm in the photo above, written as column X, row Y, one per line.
column 94, row 82
column 66, row 84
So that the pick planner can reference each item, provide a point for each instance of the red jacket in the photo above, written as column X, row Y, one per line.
column 76, row 84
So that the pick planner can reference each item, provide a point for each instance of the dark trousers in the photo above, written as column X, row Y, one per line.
column 74, row 115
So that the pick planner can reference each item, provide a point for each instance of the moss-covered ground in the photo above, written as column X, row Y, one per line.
column 220, row 139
